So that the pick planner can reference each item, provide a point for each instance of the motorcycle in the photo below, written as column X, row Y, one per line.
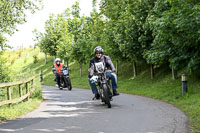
column 65, row 81
column 103, row 84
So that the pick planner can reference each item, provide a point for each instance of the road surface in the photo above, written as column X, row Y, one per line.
column 75, row 112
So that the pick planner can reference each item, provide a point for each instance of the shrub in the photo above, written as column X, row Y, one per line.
column 35, row 59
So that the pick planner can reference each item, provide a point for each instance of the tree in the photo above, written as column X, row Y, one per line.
column 54, row 34
column 65, row 42
column 12, row 13
column 175, row 28
column 127, row 19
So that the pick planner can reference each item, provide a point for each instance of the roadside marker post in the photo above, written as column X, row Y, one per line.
column 184, row 84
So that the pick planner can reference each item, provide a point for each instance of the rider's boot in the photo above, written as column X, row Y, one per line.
column 60, row 87
column 96, row 96
column 115, row 93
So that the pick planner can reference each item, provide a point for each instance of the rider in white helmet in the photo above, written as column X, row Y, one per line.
column 57, row 67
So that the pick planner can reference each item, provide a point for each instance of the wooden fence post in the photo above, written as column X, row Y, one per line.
column 20, row 90
column 32, row 83
column 8, row 93
column 27, row 90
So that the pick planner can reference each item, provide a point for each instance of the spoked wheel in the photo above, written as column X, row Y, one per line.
column 106, row 96
column 69, row 84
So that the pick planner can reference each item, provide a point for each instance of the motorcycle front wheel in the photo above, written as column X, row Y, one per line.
column 69, row 84
column 106, row 96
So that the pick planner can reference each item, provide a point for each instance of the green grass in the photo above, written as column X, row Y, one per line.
column 162, row 87
column 17, row 110
column 19, row 70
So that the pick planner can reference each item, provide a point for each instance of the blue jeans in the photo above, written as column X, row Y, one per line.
column 113, row 78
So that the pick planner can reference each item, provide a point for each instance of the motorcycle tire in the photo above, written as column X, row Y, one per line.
column 69, row 84
column 106, row 96
column 62, row 85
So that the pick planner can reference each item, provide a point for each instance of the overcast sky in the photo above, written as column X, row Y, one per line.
column 24, row 35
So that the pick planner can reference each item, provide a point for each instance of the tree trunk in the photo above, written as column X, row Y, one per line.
column 54, row 59
column 152, row 72
column 117, row 62
column 63, row 61
column 134, row 69
column 45, row 61
column 81, row 70
column 174, row 74
column 67, row 63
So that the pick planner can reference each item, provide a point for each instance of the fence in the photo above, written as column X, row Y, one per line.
column 20, row 85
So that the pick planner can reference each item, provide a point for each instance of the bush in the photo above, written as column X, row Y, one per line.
column 35, row 59
column 19, row 52
column 13, row 61
column 25, row 60
column 3, row 72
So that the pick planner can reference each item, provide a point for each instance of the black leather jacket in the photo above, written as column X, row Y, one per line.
column 105, row 60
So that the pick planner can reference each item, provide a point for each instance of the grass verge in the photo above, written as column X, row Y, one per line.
column 19, row 109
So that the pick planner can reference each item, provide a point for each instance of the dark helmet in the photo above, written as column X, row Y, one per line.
column 98, row 49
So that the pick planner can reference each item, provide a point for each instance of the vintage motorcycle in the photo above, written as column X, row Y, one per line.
column 65, row 81
column 103, row 84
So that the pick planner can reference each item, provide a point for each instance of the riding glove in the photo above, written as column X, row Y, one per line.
column 94, row 79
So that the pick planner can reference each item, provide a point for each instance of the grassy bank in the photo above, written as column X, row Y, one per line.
column 18, row 62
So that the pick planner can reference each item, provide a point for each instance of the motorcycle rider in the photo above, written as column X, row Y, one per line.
column 99, row 57
column 57, row 67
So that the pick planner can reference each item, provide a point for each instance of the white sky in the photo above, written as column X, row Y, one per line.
column 37, row 20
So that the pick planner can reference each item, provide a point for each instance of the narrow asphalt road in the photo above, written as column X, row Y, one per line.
column 75, row 112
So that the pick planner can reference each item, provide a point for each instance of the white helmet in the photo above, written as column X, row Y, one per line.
column 57, row 59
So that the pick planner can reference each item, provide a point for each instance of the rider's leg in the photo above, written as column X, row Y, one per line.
column 113, row 77
column 58, row 79
column 93, row 86
column 94, row 89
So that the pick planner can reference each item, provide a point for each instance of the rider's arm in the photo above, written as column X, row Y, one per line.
column 91, row 68
column 53, row 69
column 64, row 67
column 110, row 64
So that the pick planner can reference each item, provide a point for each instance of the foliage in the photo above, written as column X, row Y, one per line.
column 13, row 13
column 3, row 72
column 155, row 31
column 35, row 59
